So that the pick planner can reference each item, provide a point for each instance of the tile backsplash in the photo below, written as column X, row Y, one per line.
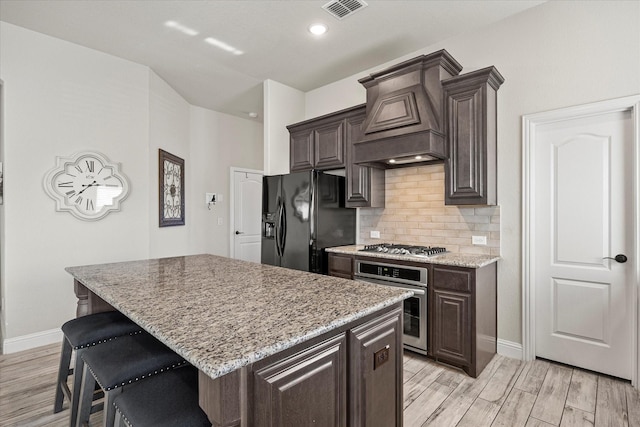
column 415, row 213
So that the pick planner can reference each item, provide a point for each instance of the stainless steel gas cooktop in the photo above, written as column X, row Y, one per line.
column 409, row 250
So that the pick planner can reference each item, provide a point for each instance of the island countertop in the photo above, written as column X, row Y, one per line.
column 221, row 314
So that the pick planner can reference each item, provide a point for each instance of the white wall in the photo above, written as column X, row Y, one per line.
column 169, row 129
column 218, row 142
column 60, row 98
column 283, row 106
column 555, row 55
column 210, row 144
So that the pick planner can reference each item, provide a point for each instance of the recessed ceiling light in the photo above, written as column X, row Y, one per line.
column 392, row 161
column 253, row 114
column 183, row 29
column 222, row 45
column 418, row 157
column 318, row 29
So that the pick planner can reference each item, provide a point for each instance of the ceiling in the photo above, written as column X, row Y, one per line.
column 272, row 35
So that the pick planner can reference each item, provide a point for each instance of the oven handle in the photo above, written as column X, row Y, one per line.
column 416, row 290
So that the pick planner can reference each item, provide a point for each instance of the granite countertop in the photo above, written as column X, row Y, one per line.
column 458, row 260
column 221, row 314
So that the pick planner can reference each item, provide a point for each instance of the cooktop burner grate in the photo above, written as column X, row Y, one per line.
column 395, row 249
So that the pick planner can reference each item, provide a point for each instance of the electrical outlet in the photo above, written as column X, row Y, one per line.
column 478, row 240
column 219, row 221
column 374, row 234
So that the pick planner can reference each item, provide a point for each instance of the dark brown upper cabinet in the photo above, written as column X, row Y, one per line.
column 418, row 111
column 318, row 143
column 471, row 169
column 301, row 150
column 405, row 112
column 326, row 142
column 365, row 185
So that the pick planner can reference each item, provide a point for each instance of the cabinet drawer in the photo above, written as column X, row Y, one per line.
column 453, row 280
column 341, row 266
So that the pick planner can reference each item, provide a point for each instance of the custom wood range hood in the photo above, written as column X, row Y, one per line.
column 419, row 111
column 405, row 119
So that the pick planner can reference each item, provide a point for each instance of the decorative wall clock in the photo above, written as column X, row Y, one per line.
column 87, row 185
column 171, row 191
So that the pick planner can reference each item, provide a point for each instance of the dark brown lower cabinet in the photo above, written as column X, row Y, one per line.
column 453, row 327
column 464, row 318
column 353, row 378
column 375, row 366
column 462, row 314
column 308, row 388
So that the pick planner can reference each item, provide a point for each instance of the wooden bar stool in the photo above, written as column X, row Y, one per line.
column 79, row 334
column 118, row 363
column 166, row 400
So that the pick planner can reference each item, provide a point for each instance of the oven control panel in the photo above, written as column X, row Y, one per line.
column 391, row 272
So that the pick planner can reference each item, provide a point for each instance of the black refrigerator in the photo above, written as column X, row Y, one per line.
column 302, row 214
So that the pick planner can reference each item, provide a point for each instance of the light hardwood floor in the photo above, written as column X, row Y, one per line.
column 508, row 393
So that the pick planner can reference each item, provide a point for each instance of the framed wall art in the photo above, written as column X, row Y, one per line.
column 171, row 191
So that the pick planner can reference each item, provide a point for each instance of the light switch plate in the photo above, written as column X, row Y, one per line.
column 478, row 240
column 374, row 234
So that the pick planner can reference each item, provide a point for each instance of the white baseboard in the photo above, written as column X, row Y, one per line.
column 510, row 349
column 26, row 342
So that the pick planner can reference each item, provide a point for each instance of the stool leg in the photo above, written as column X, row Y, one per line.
column 77, row 384
column 63, row 374
column 86, row 397
column 109, row 410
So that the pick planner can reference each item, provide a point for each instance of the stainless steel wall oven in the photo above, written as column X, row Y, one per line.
column 415, row 308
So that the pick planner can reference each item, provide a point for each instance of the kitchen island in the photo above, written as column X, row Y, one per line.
column 271, row 343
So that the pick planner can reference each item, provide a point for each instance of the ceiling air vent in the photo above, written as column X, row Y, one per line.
column 340, row 9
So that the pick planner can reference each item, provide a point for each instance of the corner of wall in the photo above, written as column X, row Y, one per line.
column 283, row 105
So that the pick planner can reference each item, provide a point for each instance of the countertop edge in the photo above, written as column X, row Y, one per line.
column 450, row 259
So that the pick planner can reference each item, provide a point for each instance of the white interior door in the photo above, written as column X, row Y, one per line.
column 247, row 208
column 583, row 212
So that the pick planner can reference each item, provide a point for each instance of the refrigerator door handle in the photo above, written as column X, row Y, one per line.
column 283, row 227
column 312, row 206
column 278, row 227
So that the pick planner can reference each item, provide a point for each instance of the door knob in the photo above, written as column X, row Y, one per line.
column 621, row 258
column 242, row 232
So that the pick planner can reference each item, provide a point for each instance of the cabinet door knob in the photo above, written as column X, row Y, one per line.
column 621, row 258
